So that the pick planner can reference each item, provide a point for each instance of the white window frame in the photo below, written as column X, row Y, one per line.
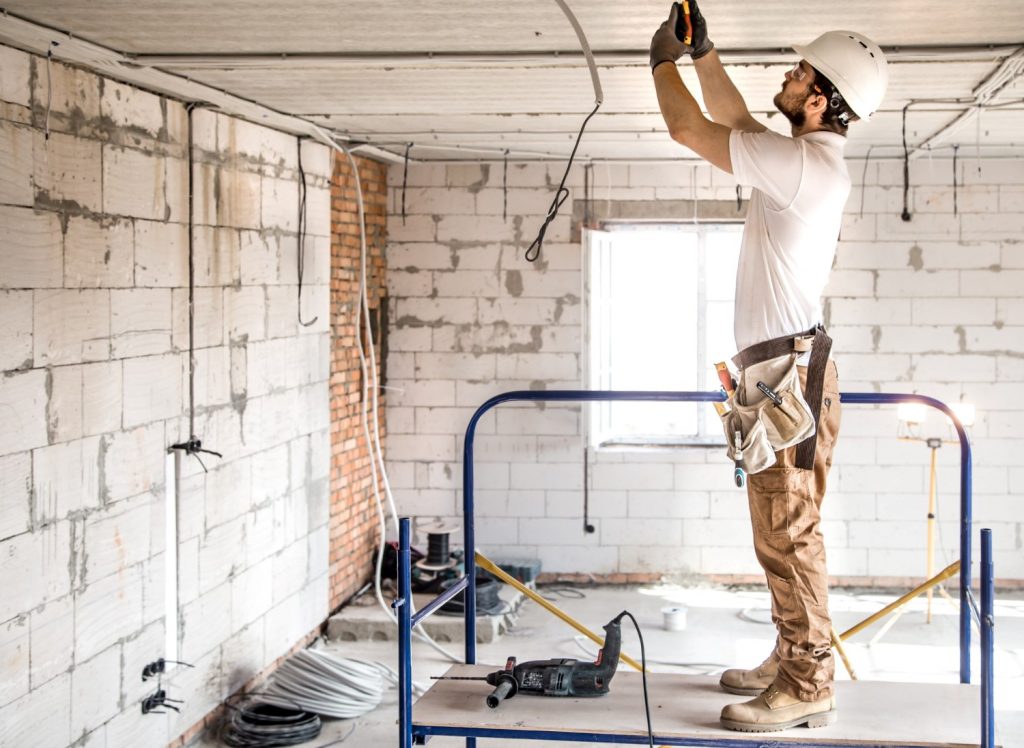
column 598, row 426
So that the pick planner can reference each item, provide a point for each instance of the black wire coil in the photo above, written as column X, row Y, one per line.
column 259, row 725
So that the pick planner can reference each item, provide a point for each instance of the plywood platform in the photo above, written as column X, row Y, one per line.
column 687, row 707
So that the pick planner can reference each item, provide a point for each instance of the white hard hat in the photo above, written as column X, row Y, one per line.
column 854, row 63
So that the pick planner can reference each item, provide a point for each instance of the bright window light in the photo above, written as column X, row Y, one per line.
column 660, row 314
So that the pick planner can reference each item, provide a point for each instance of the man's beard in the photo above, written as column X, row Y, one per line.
column 793, row 110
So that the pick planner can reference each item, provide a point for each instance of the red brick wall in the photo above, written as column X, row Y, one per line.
column 354, row 524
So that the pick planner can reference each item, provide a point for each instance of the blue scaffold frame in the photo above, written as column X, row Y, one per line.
column 411, row 733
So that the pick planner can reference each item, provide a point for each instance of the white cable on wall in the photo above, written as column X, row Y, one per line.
column 369, row 372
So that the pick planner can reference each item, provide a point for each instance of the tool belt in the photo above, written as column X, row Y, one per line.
column 770, row 410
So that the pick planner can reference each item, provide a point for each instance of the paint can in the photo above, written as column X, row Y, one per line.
column 674, row 618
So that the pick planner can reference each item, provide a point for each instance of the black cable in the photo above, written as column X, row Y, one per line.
column 588, row 527
column 560, row 195
column 193, row 446
column 301, row 253
column 261, row 725
column 955, row 149
column 504, row 189
column 569, row 593
column 405, row 178
column 905, row 215
column 643, row 673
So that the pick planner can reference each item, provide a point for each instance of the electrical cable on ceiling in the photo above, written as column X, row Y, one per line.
column 561, row 194
column 301, row 250
column 193, row 446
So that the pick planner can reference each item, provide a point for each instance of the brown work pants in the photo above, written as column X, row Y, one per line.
column 784, row 511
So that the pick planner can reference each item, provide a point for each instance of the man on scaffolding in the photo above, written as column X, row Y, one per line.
column 799, row 189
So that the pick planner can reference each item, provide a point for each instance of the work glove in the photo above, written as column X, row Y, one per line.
column 665, row 45
column 701, row 44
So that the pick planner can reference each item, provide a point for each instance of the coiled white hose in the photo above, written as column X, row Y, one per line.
column 329, row 685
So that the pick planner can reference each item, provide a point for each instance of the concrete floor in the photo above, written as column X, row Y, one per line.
column 724, row 628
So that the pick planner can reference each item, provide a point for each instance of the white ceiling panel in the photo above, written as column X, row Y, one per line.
column 205, row 26
column 511, row 76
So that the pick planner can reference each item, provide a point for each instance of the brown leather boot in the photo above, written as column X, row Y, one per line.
column 774, row 710
column 750, row 682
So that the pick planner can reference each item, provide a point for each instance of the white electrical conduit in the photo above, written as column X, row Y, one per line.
column 585, row 45
column 369, row 371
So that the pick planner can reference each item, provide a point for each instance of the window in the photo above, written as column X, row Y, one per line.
column 659, row 315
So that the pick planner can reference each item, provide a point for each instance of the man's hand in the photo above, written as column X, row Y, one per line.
column 701, row 43
column 665, row 45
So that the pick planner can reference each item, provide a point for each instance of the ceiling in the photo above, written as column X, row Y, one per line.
column 480, row 78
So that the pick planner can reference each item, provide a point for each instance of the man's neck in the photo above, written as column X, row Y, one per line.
column 807, row 128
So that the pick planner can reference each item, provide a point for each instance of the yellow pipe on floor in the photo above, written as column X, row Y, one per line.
column 485, row 563
column 942, row 576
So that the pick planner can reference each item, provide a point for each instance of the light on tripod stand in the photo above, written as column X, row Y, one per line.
column 964, row 413
column 911, row 418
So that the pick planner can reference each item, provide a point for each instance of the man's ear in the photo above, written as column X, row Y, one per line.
column 816, row 104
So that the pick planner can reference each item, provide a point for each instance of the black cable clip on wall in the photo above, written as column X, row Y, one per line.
column 158, row 701
column 159, row 666
column 193, row 447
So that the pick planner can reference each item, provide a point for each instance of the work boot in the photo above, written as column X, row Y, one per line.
column 774, row 710
column 750, row 682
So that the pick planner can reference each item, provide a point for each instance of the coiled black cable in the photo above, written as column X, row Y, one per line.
column 259, row 725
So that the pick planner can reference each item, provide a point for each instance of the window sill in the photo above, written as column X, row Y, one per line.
column 660, row 445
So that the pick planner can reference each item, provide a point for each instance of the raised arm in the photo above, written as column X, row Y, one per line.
column 725, row 105
column 724, row 102
column 686, row 122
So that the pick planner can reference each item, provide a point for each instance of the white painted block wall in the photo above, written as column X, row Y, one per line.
column 930, row 306
column 93, row 297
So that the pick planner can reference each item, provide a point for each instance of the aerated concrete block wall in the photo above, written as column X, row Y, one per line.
column 933, row 305
column 94, row 298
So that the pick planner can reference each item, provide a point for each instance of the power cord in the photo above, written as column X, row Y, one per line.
column 643, row 674
column 703, row 668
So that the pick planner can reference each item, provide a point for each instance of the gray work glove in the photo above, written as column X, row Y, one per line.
column 665, row 45
column 701, row 43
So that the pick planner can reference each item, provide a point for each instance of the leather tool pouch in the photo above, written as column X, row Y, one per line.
column 766, row 424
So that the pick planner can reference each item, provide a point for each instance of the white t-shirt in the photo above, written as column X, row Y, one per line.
column 800, row 186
